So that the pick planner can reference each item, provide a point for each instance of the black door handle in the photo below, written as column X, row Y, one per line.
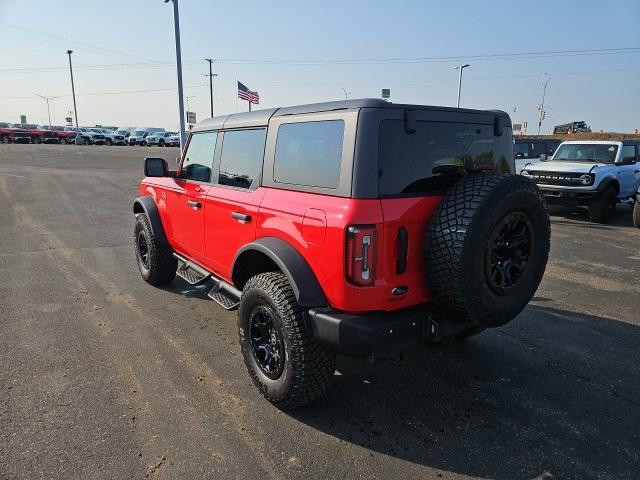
column 193, row 204
column 241, row 216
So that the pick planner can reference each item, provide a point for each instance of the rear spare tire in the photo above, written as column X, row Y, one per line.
column 486, row 248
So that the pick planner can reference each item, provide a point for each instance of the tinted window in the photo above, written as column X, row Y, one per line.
column 241, row 159
column 434, row 156
column 628, row 151
column 536, row 149
column 309, row 153
column 199, row 157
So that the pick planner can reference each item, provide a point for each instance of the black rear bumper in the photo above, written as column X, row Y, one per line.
column 379, row 335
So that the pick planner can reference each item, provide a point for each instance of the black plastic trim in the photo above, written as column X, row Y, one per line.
column 379, row 335
column 305, row 285
column 403, row 248
column 150, row 209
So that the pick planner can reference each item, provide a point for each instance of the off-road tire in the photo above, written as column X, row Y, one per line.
column 603, row 206
column 4, row 139
column 161, row 265
column 636, row 212
column 108, row 142
column 308, row 366
column 36, row 140
column 161, row 143
column 458, row 241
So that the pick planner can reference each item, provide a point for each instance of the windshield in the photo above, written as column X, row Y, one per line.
column 587, row 152
column 138, row 133
column 120, row 132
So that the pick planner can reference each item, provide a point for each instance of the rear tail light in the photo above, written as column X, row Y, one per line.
column 361, row 254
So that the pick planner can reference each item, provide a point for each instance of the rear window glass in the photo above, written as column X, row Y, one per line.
column 309, row 153
column 433, row 157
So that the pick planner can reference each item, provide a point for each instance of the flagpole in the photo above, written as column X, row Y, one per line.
column 249, row 105
column 236, row 94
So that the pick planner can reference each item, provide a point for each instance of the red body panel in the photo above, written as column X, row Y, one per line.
column 225, row 235
column 315, row 225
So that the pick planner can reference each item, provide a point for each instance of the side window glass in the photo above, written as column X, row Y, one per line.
column 536, row 149
column 241, row 159
column 309, row 153
column 199, row 157
column 628, row 151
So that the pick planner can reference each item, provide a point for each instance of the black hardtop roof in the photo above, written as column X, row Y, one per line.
column 261, row 117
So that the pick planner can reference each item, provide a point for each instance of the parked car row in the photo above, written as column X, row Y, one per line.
column 145, row 136
column 33, row 133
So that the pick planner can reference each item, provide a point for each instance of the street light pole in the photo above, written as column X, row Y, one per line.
column 544, row 93
column 460, row 68
column 176, row 24
column 73, row 92
column 46, row 99
column 211, row 75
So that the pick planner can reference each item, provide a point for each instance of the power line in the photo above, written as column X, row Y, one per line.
column 340, row 84
column 491, row 56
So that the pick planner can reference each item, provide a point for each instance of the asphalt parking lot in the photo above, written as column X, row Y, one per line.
column 104, row 376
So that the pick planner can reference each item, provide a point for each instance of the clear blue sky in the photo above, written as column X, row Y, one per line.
column 125, row 46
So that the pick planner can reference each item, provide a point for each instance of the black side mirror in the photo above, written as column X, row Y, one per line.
column 155, row 167
column 627, row 161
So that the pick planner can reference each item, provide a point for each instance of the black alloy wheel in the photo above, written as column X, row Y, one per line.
column 143, row 249
column 267, row 342
column 508, row 252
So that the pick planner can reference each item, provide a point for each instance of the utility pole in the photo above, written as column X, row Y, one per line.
column 346, row 93
column 460, row 68
column 46, row 99
column 211, row 75
column 176, row 25
column 542, row 113
column 73, row 92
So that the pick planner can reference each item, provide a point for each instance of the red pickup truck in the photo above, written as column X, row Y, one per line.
column 39, row 134
column 63, row 136
column 11, row 133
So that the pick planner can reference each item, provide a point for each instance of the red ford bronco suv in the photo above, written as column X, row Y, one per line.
column 359, row 227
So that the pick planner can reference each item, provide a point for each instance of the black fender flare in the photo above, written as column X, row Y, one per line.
column 304, row 282
column 609, row 181
column 147, row 205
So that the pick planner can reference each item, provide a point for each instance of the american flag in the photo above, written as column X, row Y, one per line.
column 245, row 94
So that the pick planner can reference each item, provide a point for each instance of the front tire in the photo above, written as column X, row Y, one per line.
column 602, row 208
column 636, row 213
column 287, row 365
column 156, row 262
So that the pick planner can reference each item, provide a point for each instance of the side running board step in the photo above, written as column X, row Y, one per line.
column 190, row 272
column 223, row 293
column 191, row 276
column 225, row 299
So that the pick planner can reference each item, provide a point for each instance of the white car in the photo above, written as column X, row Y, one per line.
column 158, row 138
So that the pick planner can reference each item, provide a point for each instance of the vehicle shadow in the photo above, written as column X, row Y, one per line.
column 622, row 217
column 553, row 391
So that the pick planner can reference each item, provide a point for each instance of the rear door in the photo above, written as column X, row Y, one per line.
column 186, row 195
column 232, row 202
